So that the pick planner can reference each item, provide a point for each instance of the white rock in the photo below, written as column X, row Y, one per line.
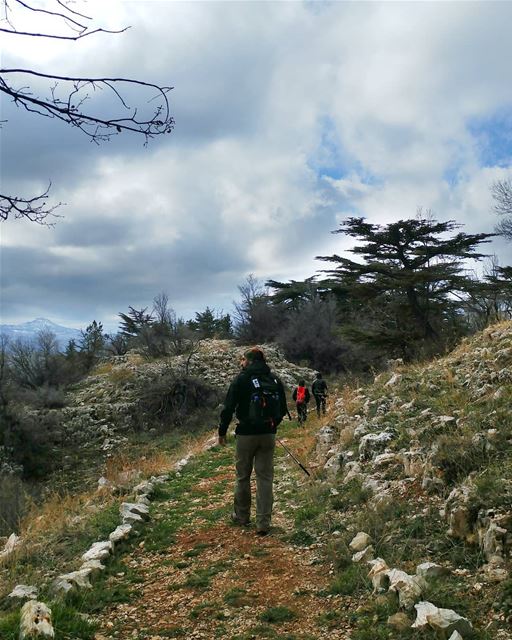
column 13, row 541
column 130, row 509
column 455, row 636
column 120, row 533
column 93, row 566
column 409, row 587
column 144, row 488
column 431, row 570
column 384, row 459
column 78, row 579
column 445, row 620
column 360, row 541
column 36, row 620
column 396, row 377
column 24, row 592
column 365, row 554
column 378, row 575
column 98, row 551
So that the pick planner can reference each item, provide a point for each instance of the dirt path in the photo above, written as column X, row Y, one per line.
column 195, row 575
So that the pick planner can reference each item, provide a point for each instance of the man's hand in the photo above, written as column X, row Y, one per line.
column 223, row 441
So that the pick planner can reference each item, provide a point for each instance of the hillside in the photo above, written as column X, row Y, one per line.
column 409, row 502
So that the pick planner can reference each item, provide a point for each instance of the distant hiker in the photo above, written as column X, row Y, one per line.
column 301, row 396
column 259, row 401
column 319, row 389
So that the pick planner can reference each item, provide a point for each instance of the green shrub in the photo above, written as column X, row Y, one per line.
column 277, row 615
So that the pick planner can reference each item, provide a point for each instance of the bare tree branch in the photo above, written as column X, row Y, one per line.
column 35, row 209
column 77, row 101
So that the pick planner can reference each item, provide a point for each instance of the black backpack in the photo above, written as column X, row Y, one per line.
column 265, row 402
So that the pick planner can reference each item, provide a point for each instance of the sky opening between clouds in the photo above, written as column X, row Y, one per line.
column 289, row 117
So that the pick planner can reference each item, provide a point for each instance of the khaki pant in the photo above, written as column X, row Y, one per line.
column 255, row 451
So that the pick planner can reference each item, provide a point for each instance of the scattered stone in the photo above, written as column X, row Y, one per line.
column 36, row 620
column 360, row 542
column 431, row 570
column 120, row 533
column 444, row 620
column 13, row 541
column 365, row 554
column 98, row 551
column 379, row 575
column 24, row 592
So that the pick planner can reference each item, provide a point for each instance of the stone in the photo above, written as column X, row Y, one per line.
column 120, row 533
column 379, row 575
column 76, row 579
column 409, row 588
column 414, row 463
column 360, row 541
column 333, row 465
column 455, row 636
column 441, row 620
column 24, row 592
column 13, row 541
column 365, row 554
column 98, row 551
column 93, row 566
column 373, row 443
column 134, row 512
column 395, row 378
column 144, row 488
column 431, row 570
column 36, row 620
column 400, row 621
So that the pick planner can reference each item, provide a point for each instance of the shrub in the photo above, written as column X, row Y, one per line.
column 170, row 400
column 13, row 503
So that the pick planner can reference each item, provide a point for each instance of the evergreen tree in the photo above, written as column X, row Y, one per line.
column 409, row 274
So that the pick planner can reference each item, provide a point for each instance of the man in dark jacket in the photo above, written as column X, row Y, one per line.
column 319, row 389
column 258, row 399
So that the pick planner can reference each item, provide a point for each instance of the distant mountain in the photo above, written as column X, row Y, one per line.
column 28, row 331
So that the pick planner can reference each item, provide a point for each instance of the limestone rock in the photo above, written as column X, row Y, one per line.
column 360, row 542
column 409, row 588
column 431, row 570
column 98, row 551
column 441, row 620
column 132, row 512
column 24, row 592
column 75, row 580
column 365, row 554
column 13, row 541
column 120, row 533
column 36, row 620
column 373, row 443
column 94, row 567
column 379, row 575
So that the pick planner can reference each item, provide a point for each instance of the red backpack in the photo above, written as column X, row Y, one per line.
column 301, row 395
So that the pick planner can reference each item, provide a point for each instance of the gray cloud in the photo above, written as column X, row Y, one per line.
column 376, row 96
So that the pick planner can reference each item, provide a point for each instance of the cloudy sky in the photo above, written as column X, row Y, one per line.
column 290, row 116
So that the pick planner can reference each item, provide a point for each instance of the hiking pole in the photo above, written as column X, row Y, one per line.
column 294, row 458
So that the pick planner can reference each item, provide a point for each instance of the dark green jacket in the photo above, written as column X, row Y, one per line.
column 238, row 399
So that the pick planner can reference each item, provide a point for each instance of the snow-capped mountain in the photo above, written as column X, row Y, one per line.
column 27, row 331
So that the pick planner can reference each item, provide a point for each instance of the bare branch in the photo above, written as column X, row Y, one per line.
column 35, row 209
column 71, row 100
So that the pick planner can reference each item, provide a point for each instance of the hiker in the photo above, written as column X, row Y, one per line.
column 319, row 389
column 301, row 396
column 259, row 401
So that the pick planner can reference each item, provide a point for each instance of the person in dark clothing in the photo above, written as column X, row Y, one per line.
column 258, row 399
column 319, row 389
column 301, row 396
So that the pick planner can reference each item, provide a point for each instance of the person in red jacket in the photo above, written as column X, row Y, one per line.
column 301, row 396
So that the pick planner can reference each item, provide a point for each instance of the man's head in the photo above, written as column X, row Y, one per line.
column 254, row 354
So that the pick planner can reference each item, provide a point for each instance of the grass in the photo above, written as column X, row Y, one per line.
column 277, row 615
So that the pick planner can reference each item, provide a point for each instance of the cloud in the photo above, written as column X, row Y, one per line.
column 289, row 118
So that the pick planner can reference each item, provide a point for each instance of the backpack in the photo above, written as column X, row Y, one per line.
column 265, row 402
column 301, row 395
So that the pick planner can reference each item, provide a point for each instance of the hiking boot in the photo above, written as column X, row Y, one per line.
column 237, row 521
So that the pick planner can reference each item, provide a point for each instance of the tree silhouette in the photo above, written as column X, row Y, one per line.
column 73, row 100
